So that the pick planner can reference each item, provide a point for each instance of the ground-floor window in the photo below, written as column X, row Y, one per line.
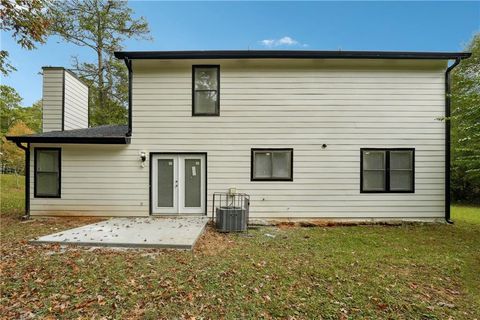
column 387, row 170
column 271, row 165
column 47, row 172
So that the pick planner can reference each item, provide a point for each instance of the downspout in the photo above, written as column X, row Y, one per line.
column 447, row 139
column 27, row 178
column 128, row 63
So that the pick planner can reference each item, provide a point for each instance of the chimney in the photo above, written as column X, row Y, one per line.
column 65, row 100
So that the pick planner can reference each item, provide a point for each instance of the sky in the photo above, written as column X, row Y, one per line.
column 402, row 26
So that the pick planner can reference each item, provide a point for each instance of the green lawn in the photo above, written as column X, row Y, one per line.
column 377, row 272
column 12, row 195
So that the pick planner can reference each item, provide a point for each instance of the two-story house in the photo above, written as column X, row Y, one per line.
column 307, row 134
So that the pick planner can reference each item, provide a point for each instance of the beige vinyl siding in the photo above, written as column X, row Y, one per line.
column 52, row 99
column 96, row 180
column 346, row 105
column 76, row 103
column 62, row 92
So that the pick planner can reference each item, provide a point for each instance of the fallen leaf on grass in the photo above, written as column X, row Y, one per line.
column 382, row 306
column 454, row 292
column 84, row 304
column 74, row 267
column 260, row 264
column 446, row 304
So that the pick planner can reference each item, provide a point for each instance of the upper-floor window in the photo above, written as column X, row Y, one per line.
column 206, row 90
column 387, row 170
column 47, row 172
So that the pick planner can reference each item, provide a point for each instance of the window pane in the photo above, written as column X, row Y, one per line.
column 401, row 160
column 47, row 184
column 206, row 102
column 165, row 182
column 193, row 180
column 47, row 160
column 400, row 180
column 373, row 159
column 374, row 180
column 262, row 164
column 206, row 78
column 281, row 164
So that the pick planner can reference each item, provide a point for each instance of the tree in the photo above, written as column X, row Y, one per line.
column 10, row 102
column 32, row 116
column 466, row 126
column 16, row 120
column 27, row 21
column 101, row 26
column 11, row 111
column 12, row 156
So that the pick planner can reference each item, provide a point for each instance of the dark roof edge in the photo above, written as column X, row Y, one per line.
column 288, row 54
column 75, row 140
column 52, row 68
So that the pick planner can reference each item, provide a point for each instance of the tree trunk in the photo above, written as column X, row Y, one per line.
column 101, row 89
column 100, row 79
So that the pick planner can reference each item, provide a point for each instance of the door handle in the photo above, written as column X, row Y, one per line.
column 176, row 183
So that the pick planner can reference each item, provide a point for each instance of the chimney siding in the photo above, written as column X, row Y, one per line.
column 65, row 100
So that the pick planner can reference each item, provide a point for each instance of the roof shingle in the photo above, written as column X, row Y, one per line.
column 107, row 134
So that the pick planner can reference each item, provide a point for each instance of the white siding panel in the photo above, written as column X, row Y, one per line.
column 63, row 93
column 52, row 99
column 299, row 105
column 86, row 191
column 76, row 103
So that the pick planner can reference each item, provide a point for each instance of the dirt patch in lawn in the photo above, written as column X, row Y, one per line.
column 332, row 223
column 285, row 224
column 213, row 242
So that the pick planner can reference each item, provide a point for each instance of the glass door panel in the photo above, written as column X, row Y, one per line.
column 192, row 186
column 193, row 180
column 164, row 184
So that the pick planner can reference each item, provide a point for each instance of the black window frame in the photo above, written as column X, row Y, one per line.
column 387, row 170
column 59, row 177
column 217, row 106
column 252, row 164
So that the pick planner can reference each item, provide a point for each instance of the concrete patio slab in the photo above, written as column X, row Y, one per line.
column 152, row 232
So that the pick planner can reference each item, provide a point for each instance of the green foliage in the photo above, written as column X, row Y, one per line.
column 27, row 21
column 101, row 26
column 16, row 120
column 32, row 116
column 12, row 156
column 5, row 66
column 113, row 110
column 10, row 103
column 12, row 111
column 466, row 126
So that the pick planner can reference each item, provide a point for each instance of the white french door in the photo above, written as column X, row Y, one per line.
column 178, row 183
